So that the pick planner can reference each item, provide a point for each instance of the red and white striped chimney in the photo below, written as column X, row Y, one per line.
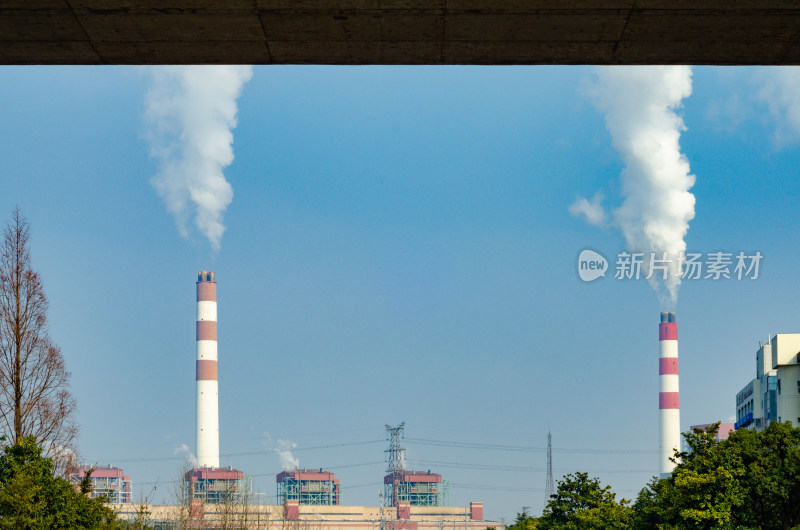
column 668, row 399
column 207, row 387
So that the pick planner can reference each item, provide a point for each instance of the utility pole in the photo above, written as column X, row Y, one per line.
column 380, row 505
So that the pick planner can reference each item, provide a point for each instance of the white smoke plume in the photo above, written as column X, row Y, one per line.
column 183, row 449
column 781, row 92
column 639, row 104
column 284, row 451
column 190, row 115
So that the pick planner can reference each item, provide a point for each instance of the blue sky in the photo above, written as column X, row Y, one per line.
column 398, row 248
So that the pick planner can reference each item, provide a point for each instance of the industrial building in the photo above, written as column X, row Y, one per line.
column 316, row 517
column 415, row 488
column 308, row 488
column 724, row 430
column 215, row 485
column 774, row 394
column 221, row 497
column 668, row 395
column 108, row 481
column 402, row 488
column 208, row 482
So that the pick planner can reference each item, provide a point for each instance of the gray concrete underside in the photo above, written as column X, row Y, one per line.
column 399, row 32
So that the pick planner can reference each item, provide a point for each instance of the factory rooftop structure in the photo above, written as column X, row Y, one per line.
column 415, row 488
column 303, row 487
column 215, row 485
column 108, row 481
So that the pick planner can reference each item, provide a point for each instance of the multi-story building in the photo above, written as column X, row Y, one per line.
column 108, row 481
column 749, row 411
column 774, row 394
column 768, row 381
column 786, row 361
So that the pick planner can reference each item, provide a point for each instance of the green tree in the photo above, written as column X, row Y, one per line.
column 704, row 490
column 750, row 480
column 771, row 476
column 647, row 508
column 524, row 522
column 33, row 497
column 581, row 502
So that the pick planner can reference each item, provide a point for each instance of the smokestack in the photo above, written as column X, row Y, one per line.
column 668, row 402
column 207, row 388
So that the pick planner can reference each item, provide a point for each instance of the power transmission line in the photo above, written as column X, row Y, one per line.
column 526, row 448
column 246, row 453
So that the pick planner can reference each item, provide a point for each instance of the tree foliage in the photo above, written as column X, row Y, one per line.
column 33, row 497
column 34, row 382
column 750, row 480
column 581, row 502
column 524, row 521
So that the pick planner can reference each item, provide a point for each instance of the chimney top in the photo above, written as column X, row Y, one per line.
column 205, row 276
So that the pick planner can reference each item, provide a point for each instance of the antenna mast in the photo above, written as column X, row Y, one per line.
column 549, row 488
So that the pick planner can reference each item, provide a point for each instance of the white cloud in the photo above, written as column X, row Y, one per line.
column 781, row 92
column 591, row 211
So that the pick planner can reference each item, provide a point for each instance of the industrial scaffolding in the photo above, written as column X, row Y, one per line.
column 108, row 481
column 116, row 489
column 211, row 488
column 402, row 487
column 292, row 486
column 412, row 487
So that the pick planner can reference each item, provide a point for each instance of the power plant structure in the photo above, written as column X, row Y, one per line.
column 215, row 485
column 415, row 488
column 206, row 373
column 403, row 488
column 308, row 488
column 108, row 481
column 668, row 398
column 208, row 482
column 411, row 500
column 220, row 497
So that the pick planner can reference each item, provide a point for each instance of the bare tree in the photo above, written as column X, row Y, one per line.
column 34, row 382
column 186, row 512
